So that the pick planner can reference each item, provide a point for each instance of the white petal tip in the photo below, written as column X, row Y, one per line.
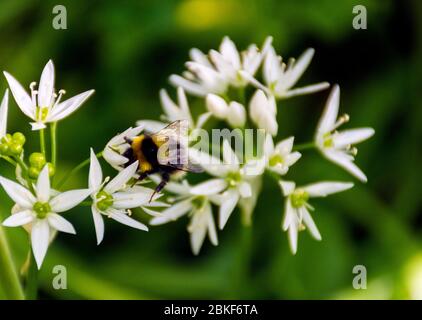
column 35, row 126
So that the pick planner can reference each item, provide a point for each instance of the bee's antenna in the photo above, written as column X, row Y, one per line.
column 128, row 140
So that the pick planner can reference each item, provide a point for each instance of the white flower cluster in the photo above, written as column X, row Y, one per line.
column 239, row 89
column 229, row 85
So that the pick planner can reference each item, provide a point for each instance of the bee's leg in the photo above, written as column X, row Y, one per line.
column 142, row 176
column 165, row 179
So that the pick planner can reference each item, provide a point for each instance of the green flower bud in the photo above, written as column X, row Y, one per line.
column 4, row 148
column 7, row 138
column 51, row 169
column 33, row 172
column 15, row 148
column 37, row 160
column 18, row 137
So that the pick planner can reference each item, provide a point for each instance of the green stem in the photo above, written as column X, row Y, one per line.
column 304, row 146
column 31, row 290
column 276, row 177
column 42, row 142
column 8, row 274
column 22, row 164
column 241, row 93
column 76, row 170
column 25, row 172
column 53, row 131
column 10, row 160
column 243, row 262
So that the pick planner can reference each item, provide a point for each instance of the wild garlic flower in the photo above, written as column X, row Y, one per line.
column 263, row 111
column 338, row 146
column 296, row 214
column 232, row 182
column 113, row 198
column 43, row 105
column 40, row 211
column 280, row 157
column 215, row 72
column 4, row 106
column 193, row 201
column 234, row 112
column 280, row 78
column 114, row 149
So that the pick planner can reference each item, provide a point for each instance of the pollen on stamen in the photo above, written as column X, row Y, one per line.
column 62, row 92
column 32, row 85
column 291, row 63
column 345, row 117
column 33, row 92
column 341, row 120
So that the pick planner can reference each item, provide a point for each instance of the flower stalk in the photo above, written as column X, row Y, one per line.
column 53, row 132
column 42, row 142
column 8, row 273
column 304, row 146
column 9, row 160
column 31, row 289
column 76, row 169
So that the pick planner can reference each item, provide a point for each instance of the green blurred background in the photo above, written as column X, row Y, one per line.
column 127, row 49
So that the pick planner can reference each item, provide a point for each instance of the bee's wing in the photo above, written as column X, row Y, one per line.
column 175, row 154
column 177, row 130
column 188, row 167
column 173, row 146
column 191, row 167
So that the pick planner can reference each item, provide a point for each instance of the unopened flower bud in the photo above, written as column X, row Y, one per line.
column 33, row 172
column 4, row 148
column 51, row 169
column 15, row 148
column 217, row 106
column 19, row 138
column 236, row 115
column 37, row 160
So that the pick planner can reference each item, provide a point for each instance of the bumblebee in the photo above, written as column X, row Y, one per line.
column 163, row 153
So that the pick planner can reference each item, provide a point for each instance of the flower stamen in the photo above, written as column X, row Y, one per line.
column 42, row 209
column 342, row 120
column 299, row 198
column 104, row 200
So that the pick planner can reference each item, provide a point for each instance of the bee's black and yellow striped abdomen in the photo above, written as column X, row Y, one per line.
column 145, row 149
